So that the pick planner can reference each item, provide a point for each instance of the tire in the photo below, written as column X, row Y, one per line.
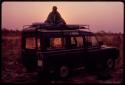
column 110, row 64
column 106, row 68
column 106, row 64
column 64, row 71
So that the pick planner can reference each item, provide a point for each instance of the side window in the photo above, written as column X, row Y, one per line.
column 73, row 41
column 30, row 43
column 38, row 43
column 77, row 42
column 57, row 42
column 91, row 41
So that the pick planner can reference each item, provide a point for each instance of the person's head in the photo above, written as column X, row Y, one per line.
column 54, row 8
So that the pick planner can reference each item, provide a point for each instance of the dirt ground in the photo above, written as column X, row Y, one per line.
column 14, row 72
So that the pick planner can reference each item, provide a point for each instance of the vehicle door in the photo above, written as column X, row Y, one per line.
column 92, row 49
column 31, row 46
column 77, row 50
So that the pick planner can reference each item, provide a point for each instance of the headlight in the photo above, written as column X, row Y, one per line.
column 40, row 63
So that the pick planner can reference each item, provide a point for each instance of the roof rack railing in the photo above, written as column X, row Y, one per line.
column 83, row 26
column 32, row 25
column 26, row 26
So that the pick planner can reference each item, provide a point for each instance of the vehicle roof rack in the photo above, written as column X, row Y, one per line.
column 36, row 26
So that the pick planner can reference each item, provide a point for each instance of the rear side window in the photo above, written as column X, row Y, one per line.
column 30, row 43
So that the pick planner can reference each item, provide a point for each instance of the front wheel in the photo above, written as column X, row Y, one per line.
column 105, row 68
column 110, row 64
column 106, row 64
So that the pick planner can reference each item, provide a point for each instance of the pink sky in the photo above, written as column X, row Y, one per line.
column 107, row 16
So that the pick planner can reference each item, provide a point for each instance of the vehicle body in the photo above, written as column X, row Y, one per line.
column 62, row 49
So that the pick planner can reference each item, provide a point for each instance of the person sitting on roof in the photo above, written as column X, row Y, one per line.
column 54, row 18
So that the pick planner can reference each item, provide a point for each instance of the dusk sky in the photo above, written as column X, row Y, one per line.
column 107, row 16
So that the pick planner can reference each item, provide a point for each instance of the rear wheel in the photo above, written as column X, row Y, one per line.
column 64, row 71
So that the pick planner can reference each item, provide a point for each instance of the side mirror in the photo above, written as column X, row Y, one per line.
column 101, row 43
